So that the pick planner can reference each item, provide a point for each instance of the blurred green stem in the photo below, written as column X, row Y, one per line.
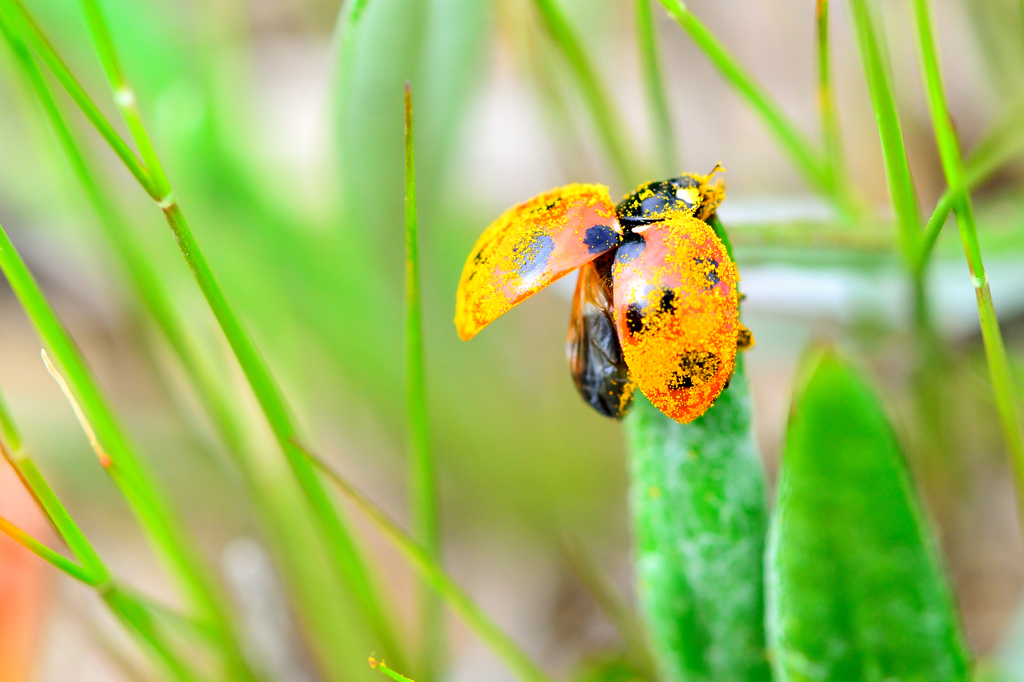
column 435, row 576
column 48, row 555
column 264, row 385
column 92, row 571
column 119, row 458
column 807, row 159
column 826, row 100
column 141, row 273
column 952, row 163
column 657, row 101
column 609, row 126
column 21, row 24
column 1001, row 144
column 897, row 168
column 425, row 503
column 340, row 541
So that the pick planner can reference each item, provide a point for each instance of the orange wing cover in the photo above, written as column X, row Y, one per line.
column 529, row 247
column 677, row 315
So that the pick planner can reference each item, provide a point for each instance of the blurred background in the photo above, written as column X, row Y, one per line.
column 296, row 194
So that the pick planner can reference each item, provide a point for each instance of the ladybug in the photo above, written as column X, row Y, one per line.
column 656, row 304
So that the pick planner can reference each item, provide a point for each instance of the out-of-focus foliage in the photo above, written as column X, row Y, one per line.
column 280, row 126
column 855, row 589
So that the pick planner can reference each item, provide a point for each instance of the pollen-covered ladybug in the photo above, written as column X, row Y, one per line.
column 656, row 305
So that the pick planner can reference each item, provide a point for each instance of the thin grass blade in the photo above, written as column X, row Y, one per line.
column 657, row 101
column 831, row 135
column 52, row 557
column 595, row 94
column 425, row 505
column 14, row 19
column 880, row 88
column 264, row 385
column 144, row 497
column 952, row 163
column 806, row 158
column 435, row 576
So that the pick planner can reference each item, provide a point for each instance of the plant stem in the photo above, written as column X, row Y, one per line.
column 434, row 575
column 826, row 100
column 609, row 127
column 141, row 492
column 382, row 666
column 92, row 570
column 141, row 273
column 807, row 159
column 48, row 555
column 657, row 101
column 265, row 387
column 700, row 517
column 268, row 393
column 137, row 618
column 21, row 23
column 952, row 164
column 424, row 495
column 1001, row 144
column 897, row 167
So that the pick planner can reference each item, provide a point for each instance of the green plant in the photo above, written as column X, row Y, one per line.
column 855, row 566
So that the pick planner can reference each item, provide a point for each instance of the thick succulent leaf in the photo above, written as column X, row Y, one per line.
column 530, row 246
column 676, row 311
column 855, row 589
column 699, row 506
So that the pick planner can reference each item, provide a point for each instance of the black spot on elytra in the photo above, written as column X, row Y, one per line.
column 600, row 238
column 710, row 268
column 668, row 301
column 536, row 255
column 628, row 251
column 634, row 318
column 695, row 369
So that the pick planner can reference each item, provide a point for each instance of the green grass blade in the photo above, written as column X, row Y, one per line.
column 431, row 572
column 807, row 159
column 124, row 97
column 141, row 273
column 340, row 542
column 595, row 94
column 657, row 101
column 15, row 19
column 136, row 617
column 698, row 502
column 352, row 14
column 425, row 505
column 143, row 496
column 621, row 614
column 382, row 666
column 277, row 512
column 856, row 591
column 832, row 139
column 93, row 571
column 880, row 88
column 265, row 387
column 1000, row 145
column 52, row 557
column 952, row 163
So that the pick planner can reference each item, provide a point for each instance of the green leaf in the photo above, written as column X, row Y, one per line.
column 699, row 506
column 856, row 591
